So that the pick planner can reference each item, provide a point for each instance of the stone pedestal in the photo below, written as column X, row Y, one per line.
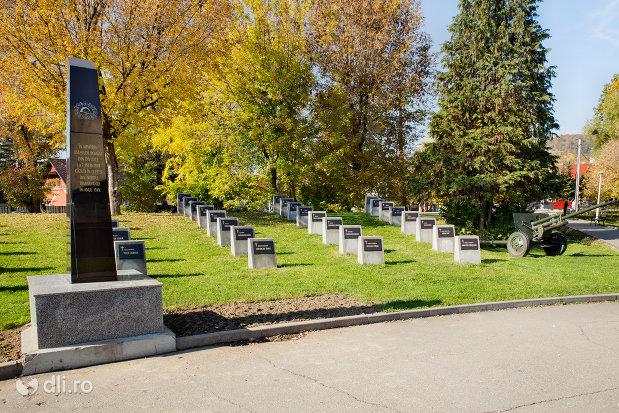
column 202, row 219
column 466, row 249
column 370, row 250
column 293, row 208
column 375, row 210
column 186, row 201
column 368, row 203
column 223, row 230
column 261, row 253
column 395, row 215
column 331, row 230
column 238, row 239
column 179, row 202
column 383, row 208
column 276, row 204
column 121, row 234
column 424, row 229
column 314, row 222
column 349, row 239
column 211, row 219
column 130, row 255
column 302, row 215
column 103, row 321
column 283, row 209
column 409, row 222
column 443, row 238
column 193, row 209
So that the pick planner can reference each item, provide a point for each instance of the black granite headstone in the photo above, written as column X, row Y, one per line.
column 186, row 201
column 318, row 216
column 226, row 223
column 445, row 232
column 264, row 247
column 88, row 202
column 179, row 201
column 121, row 234
column 411, row 216
column 243, row 233
column 426, row 223
column 333, row 223
column 131, row 251
column 215, row 215
column 469, row 244
column 303, row 211
column 397, row 211
column 205, row 208
column 352, row 233
column 373, row 244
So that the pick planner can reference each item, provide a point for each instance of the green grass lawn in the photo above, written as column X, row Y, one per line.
column 195, row 271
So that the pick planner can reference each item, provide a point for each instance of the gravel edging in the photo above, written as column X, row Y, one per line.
column 253, row 333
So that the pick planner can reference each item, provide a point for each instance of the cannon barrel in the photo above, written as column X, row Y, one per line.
column 573, row 214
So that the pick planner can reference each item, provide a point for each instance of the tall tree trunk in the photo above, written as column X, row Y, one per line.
column 482, row 213
column 274, row 178
column 112, row 176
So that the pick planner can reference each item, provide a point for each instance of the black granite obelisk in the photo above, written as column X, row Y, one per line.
column 88, row 202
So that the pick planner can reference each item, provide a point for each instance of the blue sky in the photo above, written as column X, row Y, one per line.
column 584, row 47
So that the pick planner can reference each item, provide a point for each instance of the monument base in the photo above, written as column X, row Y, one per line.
column 76, row 325
column 37, row 361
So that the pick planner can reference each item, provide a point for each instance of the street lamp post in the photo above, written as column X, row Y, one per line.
column 597, row 210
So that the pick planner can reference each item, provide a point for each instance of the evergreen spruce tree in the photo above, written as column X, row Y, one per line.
column 495, row 112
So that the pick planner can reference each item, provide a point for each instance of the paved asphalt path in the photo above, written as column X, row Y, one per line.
column 547, row 359
column 608, row 234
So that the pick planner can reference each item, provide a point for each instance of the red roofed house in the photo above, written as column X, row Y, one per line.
column 56, row 180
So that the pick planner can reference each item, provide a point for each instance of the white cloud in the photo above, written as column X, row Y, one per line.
column 605, row 22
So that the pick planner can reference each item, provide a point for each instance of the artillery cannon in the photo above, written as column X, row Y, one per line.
column 540, row 229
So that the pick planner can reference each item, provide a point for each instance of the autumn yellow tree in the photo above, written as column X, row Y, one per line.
column 606, row 163
column 374, row 63
column 147, row 53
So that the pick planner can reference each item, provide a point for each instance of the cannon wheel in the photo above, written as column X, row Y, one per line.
column 556, row 244
column 518, row 244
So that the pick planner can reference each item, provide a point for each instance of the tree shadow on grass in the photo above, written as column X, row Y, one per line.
column 399, row 262
column 399, row 305
column 293, row 265
column 18, row 253
column 389, row 251
column 157, row 276
column 31, row 269
column 166, row 260
column 14, row 288
column 580, row 254
column 364, row 220
column 262, row 218
column 492, row 260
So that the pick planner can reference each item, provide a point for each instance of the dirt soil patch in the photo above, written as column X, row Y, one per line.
column 10, row 344
column 212, row 318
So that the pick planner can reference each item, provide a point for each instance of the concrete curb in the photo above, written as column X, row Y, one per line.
column 209, row 339
column 10, row 370
column 13, row 369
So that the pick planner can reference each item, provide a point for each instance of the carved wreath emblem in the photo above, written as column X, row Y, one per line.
column 85, row 110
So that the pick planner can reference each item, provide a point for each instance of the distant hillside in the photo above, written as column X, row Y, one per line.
column 566, row 148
